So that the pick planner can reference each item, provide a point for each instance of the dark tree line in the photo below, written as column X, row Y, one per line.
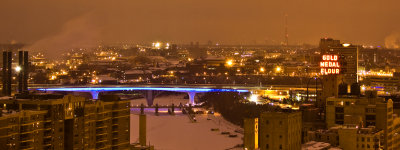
column 233, row 106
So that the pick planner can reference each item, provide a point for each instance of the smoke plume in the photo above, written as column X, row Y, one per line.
column 80, row 32
column 393, row 41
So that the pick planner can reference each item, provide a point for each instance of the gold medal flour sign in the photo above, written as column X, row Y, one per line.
column 329, row 64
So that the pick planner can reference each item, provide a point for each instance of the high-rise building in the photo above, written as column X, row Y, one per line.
column 312, row 119
column 330, row 88
column 74, row 122
column 22, row 129
column 364, row 111
column 107, row 123
column 348, row 55
column 325, row 44
column 61, row 111
column 280, row 130
column 348, row 58
column 250, row 140
column 396, row 133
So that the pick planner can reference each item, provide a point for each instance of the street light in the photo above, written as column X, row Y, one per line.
column 157, row 45
column 18, row 69
column 229, row 62
column 278, row 69
column 254, row 98
column 262, row 69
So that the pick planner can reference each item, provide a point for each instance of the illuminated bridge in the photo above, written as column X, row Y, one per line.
column 149, row 92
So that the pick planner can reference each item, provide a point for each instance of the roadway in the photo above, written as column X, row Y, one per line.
column 213, row 86
column 150, row 91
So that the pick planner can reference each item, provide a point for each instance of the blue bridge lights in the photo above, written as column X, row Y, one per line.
column 173, row 89
column 150, row 97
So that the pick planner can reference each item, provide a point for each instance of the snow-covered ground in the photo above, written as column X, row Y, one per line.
column 163, row 100
column 177, row 132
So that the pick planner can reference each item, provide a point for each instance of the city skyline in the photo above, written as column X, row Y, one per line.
column 47, row 24
column 194, row 75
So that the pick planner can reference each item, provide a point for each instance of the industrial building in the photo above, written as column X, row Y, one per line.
column 22, row 129
column 280, row 130
column 349, row 137
column 65, row 122
column 347, row 57
column 250, row 140
column 366, row 111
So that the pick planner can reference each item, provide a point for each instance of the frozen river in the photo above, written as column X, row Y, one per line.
column 177, row 132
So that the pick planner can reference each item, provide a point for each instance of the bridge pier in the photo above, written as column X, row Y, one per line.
column 150, row 95
column 191, row 97
column 95, row 94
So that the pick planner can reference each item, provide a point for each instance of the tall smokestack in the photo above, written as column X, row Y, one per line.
column 5, row 66
column 9, row 75
column 21, row 72
column 26, row 71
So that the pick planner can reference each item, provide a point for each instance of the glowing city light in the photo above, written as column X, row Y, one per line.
column 53, row 77
column 157, row 45
column 363, row 88
column 330, row 64
column 381, row 73
column 254, row 98
column 229, row 62
column 298, row 96
column 18, row 69
column 346, row 45
column 278, row 69
column 262, row 69
column 329, row 57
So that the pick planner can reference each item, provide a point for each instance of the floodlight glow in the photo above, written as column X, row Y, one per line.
column 278, row 69
column 254, row 98
column 262, row 69
column 346, row 45
column 18, row 69
column 157, row 45
column 229, row 62
column 363, row 88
